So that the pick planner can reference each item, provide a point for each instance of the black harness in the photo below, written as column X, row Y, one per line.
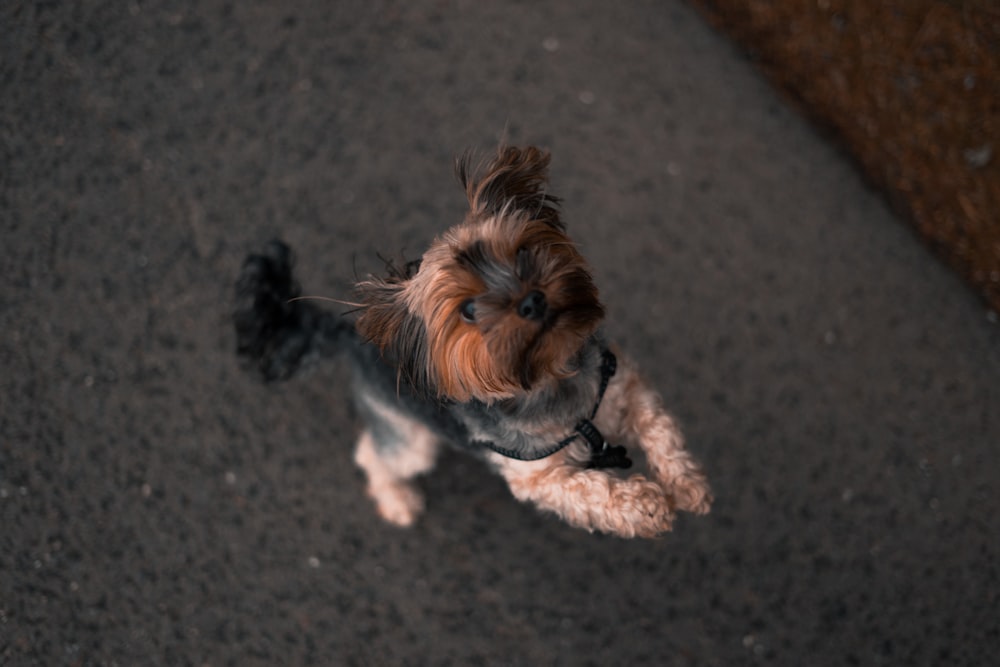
column 602, row 454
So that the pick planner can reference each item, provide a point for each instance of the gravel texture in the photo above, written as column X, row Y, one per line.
column 160, row 507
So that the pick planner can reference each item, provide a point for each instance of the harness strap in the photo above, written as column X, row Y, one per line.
column 602, row 454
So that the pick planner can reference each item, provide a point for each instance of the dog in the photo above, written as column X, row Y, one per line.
column 490, row 342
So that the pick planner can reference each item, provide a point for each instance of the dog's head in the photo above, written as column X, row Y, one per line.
column 501, row 303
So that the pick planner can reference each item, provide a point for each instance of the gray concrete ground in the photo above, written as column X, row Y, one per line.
column 159, row 507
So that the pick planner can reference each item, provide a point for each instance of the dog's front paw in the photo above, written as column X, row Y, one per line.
column 691, row 493
column 637, row 507
column 683, row 479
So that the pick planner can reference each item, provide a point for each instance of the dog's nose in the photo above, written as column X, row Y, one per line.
column 532, row 307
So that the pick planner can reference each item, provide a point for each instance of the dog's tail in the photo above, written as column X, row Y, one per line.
column 276, row 334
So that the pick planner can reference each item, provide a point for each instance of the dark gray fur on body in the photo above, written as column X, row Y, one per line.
column 278, row 334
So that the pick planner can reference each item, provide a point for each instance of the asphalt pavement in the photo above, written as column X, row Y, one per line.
column 158, row 506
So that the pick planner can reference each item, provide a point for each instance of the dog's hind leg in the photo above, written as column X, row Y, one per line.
column 392, row 451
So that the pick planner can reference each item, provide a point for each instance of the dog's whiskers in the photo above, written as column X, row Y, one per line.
column 327, row 298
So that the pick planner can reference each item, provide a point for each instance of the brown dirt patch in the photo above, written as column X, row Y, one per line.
column 912, row 88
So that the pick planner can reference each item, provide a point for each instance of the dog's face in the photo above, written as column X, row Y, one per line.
column 501, row 303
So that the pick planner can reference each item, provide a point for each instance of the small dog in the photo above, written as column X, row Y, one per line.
column 490, row 342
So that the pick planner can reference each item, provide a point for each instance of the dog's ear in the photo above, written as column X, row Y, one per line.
column 400, row 336
column 515, row 179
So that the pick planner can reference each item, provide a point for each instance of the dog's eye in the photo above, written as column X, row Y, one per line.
column 468, row 310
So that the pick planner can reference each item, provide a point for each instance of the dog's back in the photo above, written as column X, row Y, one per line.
column 278, row 334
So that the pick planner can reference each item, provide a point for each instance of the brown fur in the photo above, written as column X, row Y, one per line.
column 504, row 353
column 516, row 177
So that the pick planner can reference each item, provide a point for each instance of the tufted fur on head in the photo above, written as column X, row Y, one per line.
column 516, row 178
column 502, row 302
